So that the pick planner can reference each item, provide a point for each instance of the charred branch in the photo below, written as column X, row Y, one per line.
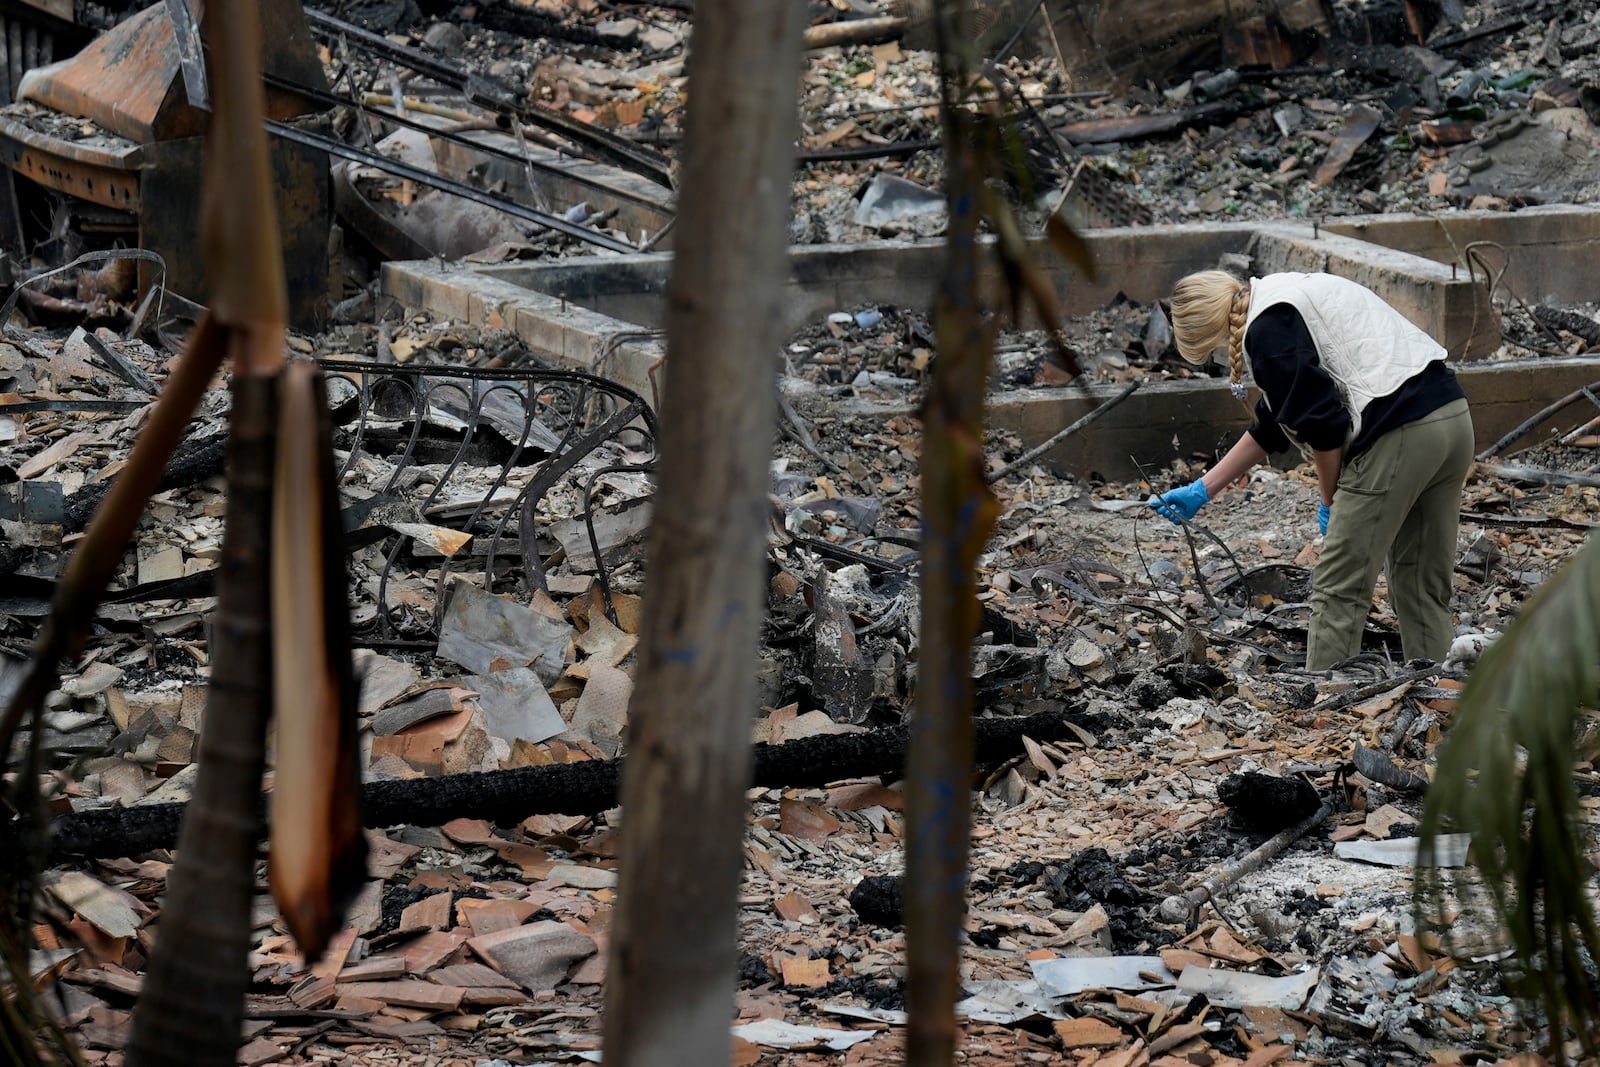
column 1139, row 127
column 507, row 797
column 191, row 464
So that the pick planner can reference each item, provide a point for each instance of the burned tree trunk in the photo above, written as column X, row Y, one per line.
column 671, row 973
column 587, row 788
column 192, row 1009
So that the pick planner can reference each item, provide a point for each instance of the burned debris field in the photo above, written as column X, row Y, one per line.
column 1188, row 849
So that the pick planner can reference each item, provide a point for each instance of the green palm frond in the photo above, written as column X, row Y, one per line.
column 1505, row 776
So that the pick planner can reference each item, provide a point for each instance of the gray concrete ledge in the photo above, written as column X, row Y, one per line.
column 604, row 314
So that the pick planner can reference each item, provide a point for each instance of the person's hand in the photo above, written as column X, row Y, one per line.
column 1181, row 503
column 1323, row 511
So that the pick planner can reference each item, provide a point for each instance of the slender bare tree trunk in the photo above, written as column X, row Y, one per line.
column 958, row 517
column 671, row 972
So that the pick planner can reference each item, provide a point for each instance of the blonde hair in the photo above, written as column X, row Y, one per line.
column 1208, row 312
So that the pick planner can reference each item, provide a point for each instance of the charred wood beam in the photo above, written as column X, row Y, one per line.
column 588, row 788
column 525, row 22
column 854, row 153
column 1138, row 127
column 847, row 32
column 191, row 464
column 1501, row 27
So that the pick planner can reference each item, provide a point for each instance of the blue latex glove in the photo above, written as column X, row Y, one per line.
column 1323, row 511
column 1184, row 502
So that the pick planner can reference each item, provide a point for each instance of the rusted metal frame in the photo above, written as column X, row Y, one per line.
column 475, row 402
column 499, row 98
column 111, row 181
column 335, row 147
column 602, row 573
column 332, row 100
column 556, row 468
column 529, row 417
column 526, row 539
column 423, row 391
column 578, row 400
column 366, row 400
column 419, row 413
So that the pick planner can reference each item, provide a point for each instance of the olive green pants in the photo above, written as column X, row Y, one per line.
column 1397, row 508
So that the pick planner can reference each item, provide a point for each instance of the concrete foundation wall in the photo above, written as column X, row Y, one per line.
column 1544, row 255
column 604, row 314
column 1452, row 310
column 1166, row 420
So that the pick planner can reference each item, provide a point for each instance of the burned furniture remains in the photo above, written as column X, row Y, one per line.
column 104, row 149
column 460, row 465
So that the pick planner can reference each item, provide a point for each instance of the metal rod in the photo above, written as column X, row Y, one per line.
column 1538, row 417
column 330, row 100
column 1034, row 453
column 338, row 148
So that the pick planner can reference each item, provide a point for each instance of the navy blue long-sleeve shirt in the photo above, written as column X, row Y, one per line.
column 1303, row 397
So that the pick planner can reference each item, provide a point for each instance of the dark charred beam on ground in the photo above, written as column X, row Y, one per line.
column 856, row 153
column 1503, row 27
column 588, row 788
column 1111, row 131
column 524, row 22
column 193, row 463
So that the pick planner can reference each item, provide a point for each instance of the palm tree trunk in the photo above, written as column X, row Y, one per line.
column 671, row 974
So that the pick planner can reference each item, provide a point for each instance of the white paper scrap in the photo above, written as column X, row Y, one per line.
column 1003, row 1002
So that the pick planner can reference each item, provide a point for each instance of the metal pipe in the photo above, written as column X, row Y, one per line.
column 335, row 147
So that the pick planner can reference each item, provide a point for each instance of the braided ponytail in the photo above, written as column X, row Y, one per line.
column 1238, row 311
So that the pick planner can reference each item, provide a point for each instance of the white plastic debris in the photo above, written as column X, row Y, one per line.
column 1450, row 850
column 1465, row 650
column 889, row 200
column 1241, row 989
column 1074, row 974
column 775, row 1033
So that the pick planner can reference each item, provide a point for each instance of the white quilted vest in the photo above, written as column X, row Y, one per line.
column 1366, row 346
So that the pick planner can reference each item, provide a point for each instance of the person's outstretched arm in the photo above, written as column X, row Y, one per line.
column 1239, row 461
column 1185, row 501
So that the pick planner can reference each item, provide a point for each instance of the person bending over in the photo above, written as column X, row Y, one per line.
column 1367, row 397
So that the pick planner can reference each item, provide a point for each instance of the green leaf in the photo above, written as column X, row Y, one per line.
column 1504, row 776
